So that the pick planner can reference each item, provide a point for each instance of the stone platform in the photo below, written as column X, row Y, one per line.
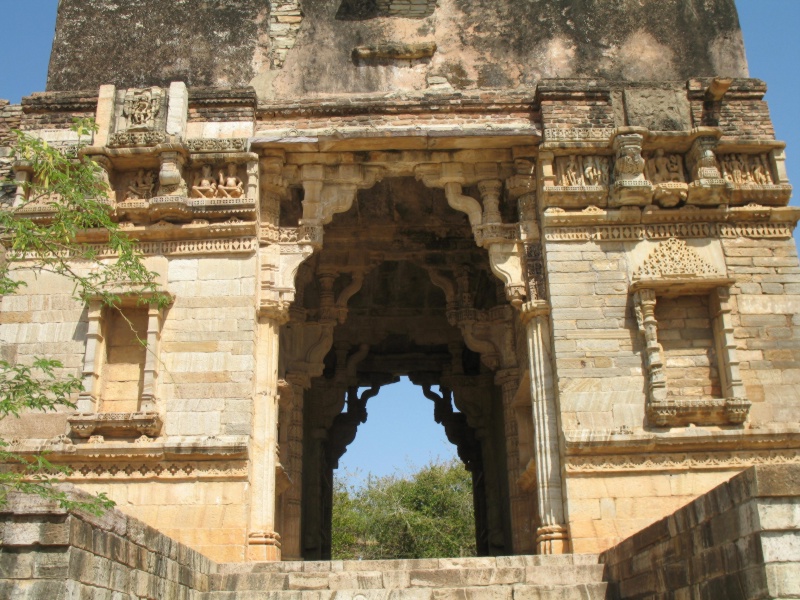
column 739, row 541
column 562, row 577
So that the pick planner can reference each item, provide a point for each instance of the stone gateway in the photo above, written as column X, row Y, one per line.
column 571, row 216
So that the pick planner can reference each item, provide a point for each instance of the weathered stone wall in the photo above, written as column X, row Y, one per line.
column 10, row 117
column 602, row 382
column 150, row 42
column 737, row 541
column 50, row 553
column 287, row 49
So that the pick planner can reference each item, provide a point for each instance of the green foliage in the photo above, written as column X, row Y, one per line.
column 428, row 514
column 72, row 193
column 75, row 193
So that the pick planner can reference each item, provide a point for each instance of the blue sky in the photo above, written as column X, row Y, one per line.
column 400, row 432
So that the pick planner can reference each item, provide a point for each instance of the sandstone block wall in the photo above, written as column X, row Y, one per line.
column 740, row 540
column 180, row 483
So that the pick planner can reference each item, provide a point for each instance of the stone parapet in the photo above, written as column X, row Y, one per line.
column 737, row 541
column 48, row 552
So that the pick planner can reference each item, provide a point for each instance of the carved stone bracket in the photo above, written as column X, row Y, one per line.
column 507, row 261
column 332, row 189
column 506, row 253
column 279, row 266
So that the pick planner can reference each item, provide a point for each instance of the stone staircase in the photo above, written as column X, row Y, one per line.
column 563, row 577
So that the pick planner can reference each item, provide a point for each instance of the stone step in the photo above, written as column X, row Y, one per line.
column 397, row 579
column 410, row 564
column 578, row 591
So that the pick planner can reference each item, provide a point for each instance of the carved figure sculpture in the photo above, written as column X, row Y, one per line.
column 204, row 184
column 141, row 187
column 572, row 173
column 142, row 107
column 592, row 171
column 665, row 168
column 230, row 186
column 675, row 169
column 761, row 171
column 629, row 165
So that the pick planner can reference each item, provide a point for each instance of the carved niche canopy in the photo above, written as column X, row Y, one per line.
column 674, row 268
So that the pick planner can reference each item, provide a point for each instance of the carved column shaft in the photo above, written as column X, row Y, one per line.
column 21, row 178
column 148, row 403
column 87, row 401
column 522, row 537
column 263, row 543
column 551, row 536
column 490, row 194
column 472, row 398
column 646, row 307
column 292, row 459
column 732, row 380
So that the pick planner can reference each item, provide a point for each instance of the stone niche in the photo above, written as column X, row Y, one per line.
column 682, row 306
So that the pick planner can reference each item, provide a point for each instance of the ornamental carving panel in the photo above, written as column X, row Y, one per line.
column 673, row 258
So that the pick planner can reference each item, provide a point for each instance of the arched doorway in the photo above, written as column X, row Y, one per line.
column 400, row 289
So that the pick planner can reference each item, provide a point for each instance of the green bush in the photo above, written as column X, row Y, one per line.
column 427, row 514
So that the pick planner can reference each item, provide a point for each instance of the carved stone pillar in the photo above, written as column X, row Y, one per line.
column 22, row 178
column 263, row 543
column 737, row 407
column 645, row 300
column 490, row 194
column 148, row 402
column 522, row 505
column 291, row 445
column 472, row 397
column 552, row 536
column 87, row 400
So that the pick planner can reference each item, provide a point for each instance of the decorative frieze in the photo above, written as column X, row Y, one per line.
column 578, row 134
column 133, row 139
column 575, row 181
column 625, row 233
column 749, row 178
column 201, row 145
column 694, row 461
column 162, row 470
